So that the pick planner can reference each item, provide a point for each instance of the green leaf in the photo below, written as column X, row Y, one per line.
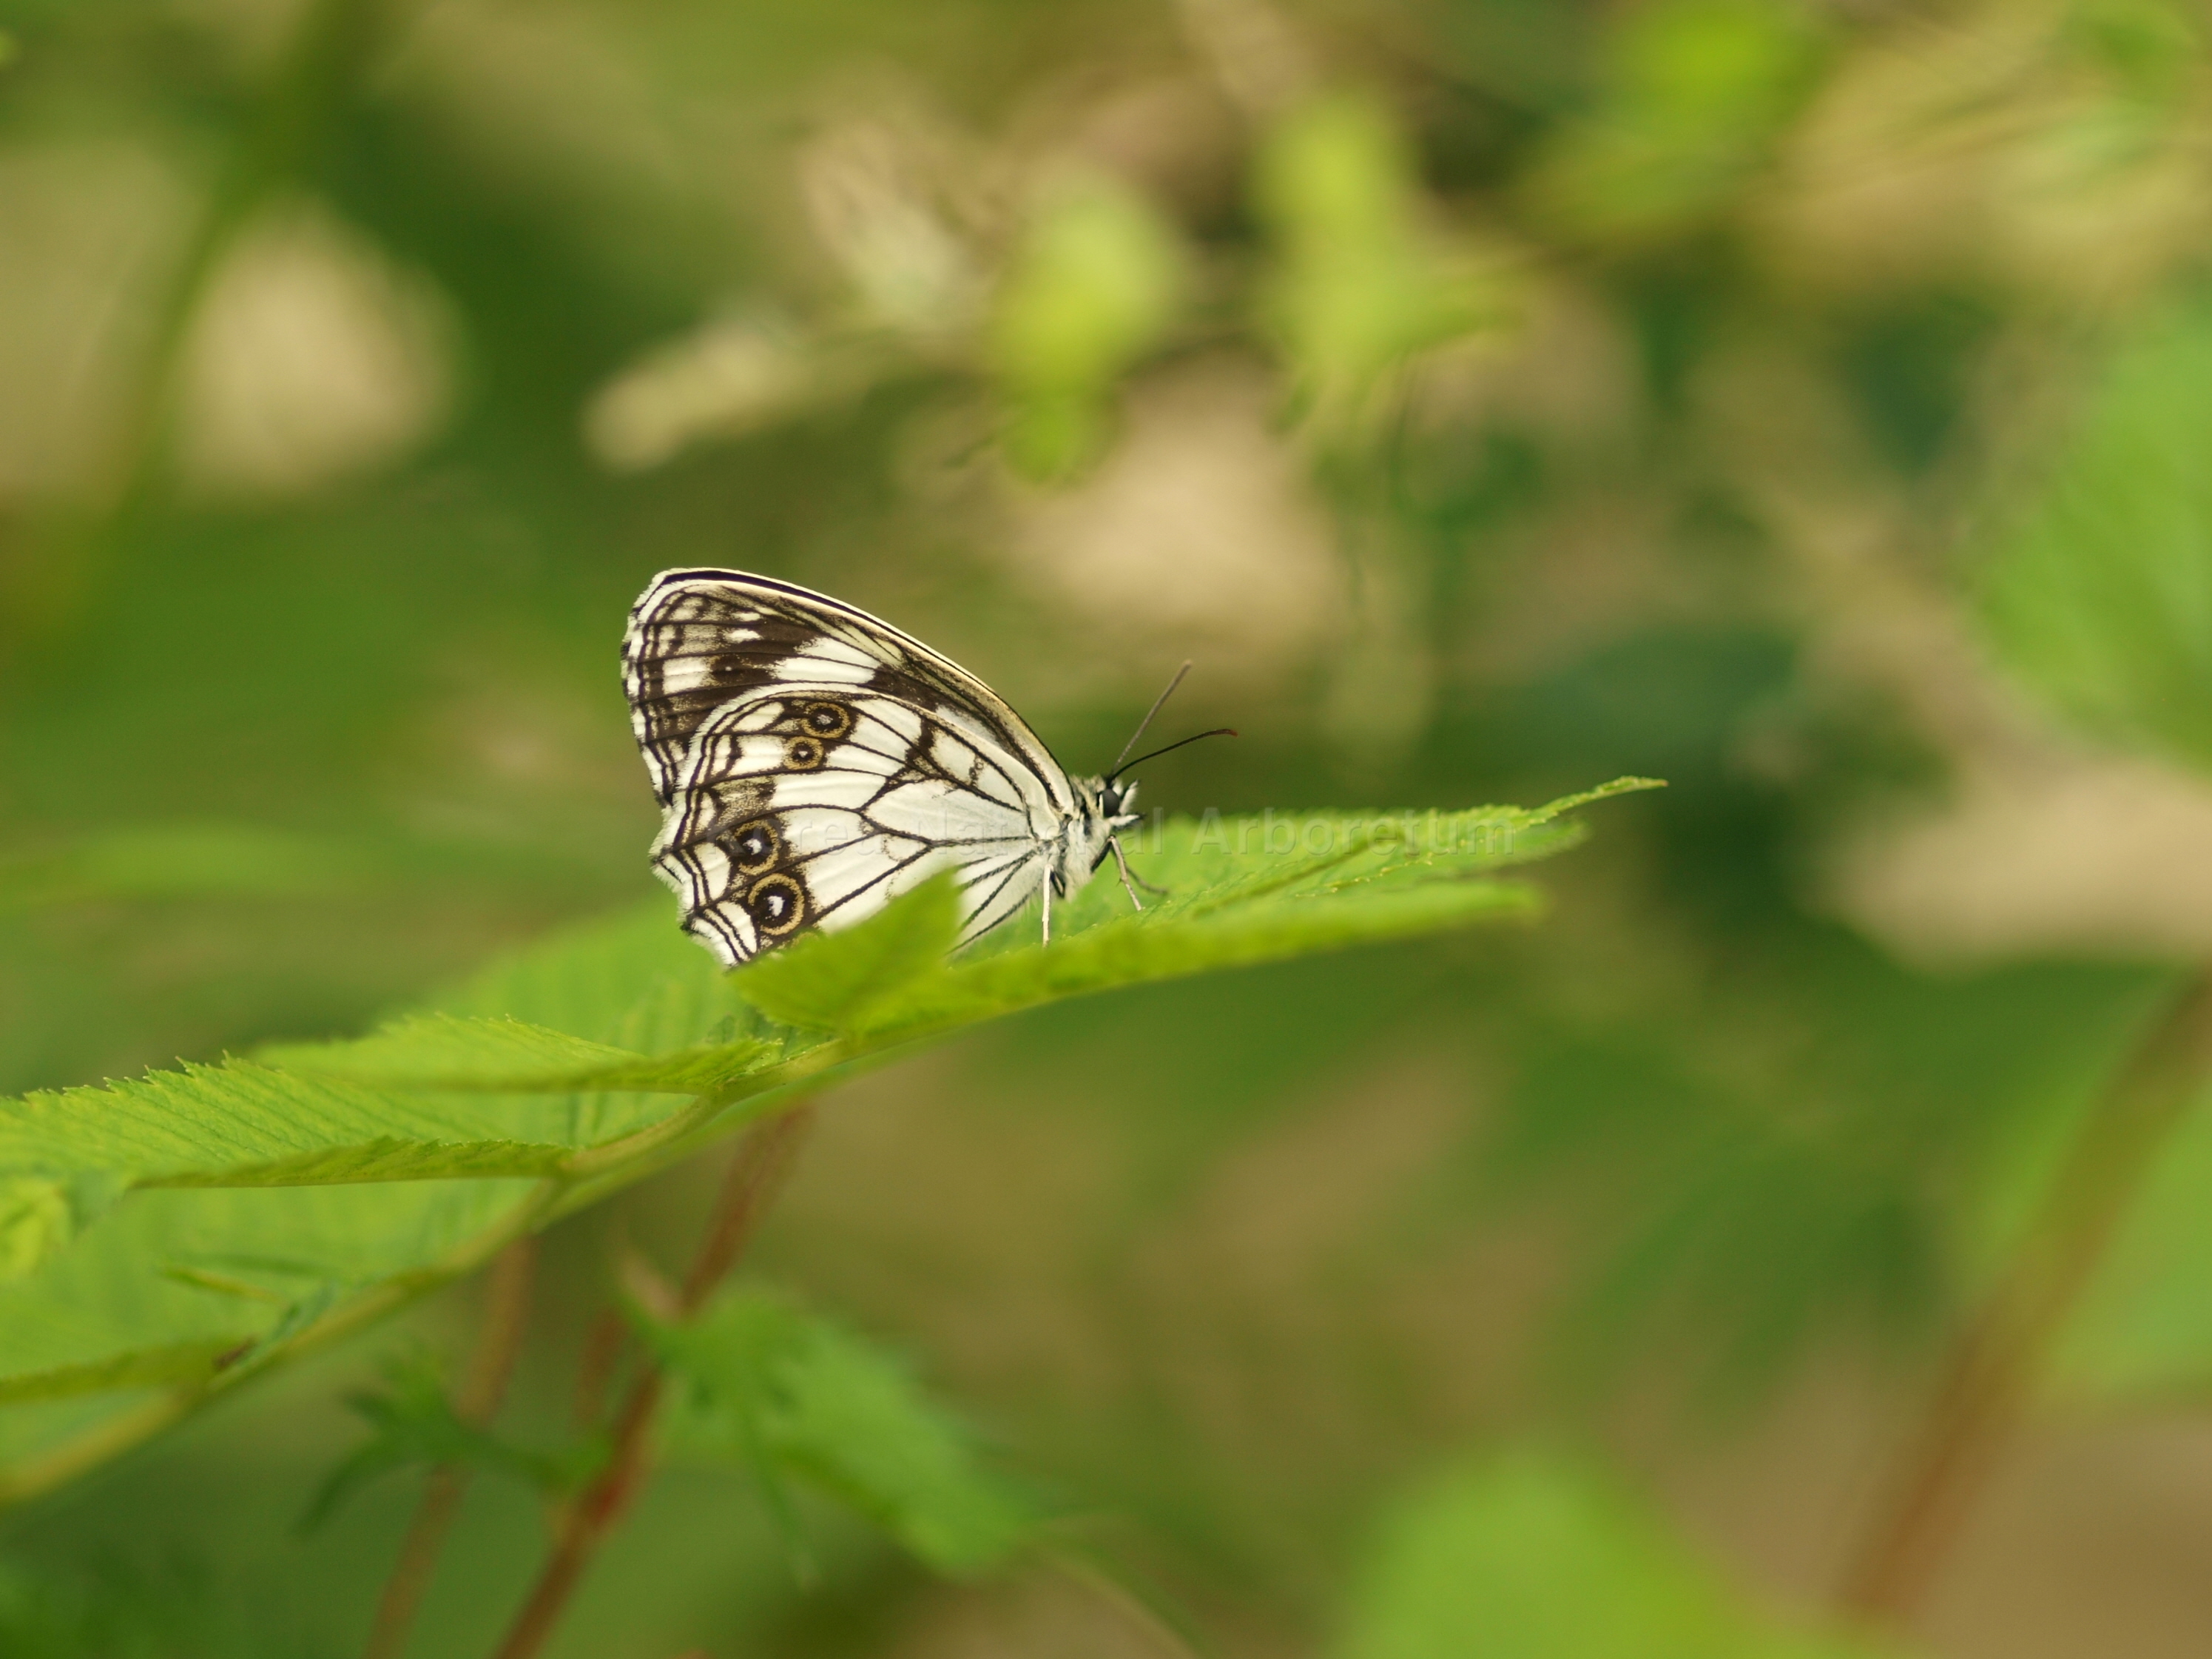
column 2143, row 1333
column 763, row 1379
column 1531, row 1556
column 633, row 981
column 412, row 1425
column 1699, row 90
column 243, row 1124
column 413, row 1100
column 39, row 1214
column 170, row 1281
column 2100, row 594
column 1094, row 286
column 507, row 1057
column 1361, row 283
column 833, row 981
column 119, row 1610
column 1252, row 890
column 34, row 1222
column 187, row 1361
column 220, row 1263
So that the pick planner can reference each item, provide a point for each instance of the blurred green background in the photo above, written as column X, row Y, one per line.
column 1805, row 403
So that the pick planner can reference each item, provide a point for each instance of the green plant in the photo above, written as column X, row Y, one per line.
column 1495, row 396
column 173, row 1236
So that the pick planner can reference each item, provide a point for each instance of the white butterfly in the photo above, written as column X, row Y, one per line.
column 814, row 762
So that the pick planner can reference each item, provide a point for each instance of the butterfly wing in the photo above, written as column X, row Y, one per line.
column 814, row 762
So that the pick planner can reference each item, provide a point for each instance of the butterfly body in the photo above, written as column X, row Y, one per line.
column 813, row 763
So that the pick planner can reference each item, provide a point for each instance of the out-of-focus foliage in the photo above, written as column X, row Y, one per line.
column 1694, row 95
column 1538, row 1556
column 2103, row 592
column 796, row 1397
column 1093, row 287
column 1792, row 400
column 412, row 1423
column 1364, row 286
column 2145, row 1337
column 129, row 1612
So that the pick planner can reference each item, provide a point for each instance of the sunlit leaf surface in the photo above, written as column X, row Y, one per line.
column 359, row 1172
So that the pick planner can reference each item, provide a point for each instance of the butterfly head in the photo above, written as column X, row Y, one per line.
column 1113, row 798
column 1102, row 806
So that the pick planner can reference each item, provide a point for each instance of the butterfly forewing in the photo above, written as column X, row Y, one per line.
column 814, row 762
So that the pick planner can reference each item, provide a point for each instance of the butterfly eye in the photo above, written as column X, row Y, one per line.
column 777, row 904
column 757, row 846
column 802, row 753
column 829, row 720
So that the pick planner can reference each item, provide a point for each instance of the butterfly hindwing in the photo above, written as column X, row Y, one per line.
column 814, row 764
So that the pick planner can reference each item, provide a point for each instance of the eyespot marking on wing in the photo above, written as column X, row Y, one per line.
column 778, row 905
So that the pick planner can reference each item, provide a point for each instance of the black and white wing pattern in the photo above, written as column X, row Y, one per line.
column 814, row 762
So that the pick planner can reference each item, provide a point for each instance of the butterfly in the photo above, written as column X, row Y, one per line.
column 813, row 762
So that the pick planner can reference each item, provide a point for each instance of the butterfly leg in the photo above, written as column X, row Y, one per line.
column 1128, row 882
column 1047, row 908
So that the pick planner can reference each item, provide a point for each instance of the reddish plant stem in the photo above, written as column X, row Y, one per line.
column 506, row 1316
column 1991, row 1373
column 595, row 1371
column 588, row 1520
column 761, row 1160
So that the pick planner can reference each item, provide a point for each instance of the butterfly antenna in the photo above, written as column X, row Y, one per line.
column 1218, row 731
column 1115, row 770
